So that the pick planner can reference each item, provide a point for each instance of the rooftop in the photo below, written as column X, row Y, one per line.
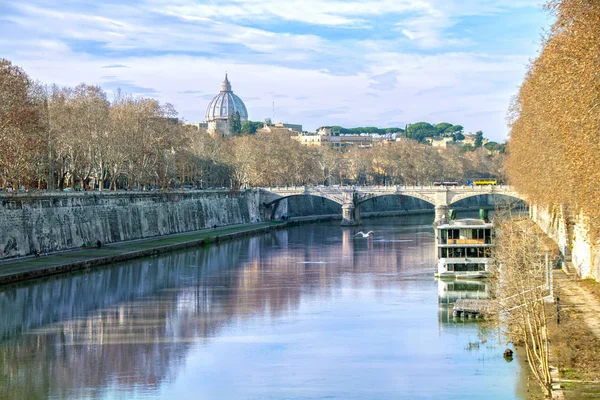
column 466, row 223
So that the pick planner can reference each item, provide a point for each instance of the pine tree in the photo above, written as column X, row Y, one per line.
column 235, row 124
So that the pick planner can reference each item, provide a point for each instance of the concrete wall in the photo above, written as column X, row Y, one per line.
column 70, row 220
column 571, row 233
column 555, row 224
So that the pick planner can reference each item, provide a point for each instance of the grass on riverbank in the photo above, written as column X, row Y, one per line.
column 208, row 234
column 24, row 265
column 576, row 352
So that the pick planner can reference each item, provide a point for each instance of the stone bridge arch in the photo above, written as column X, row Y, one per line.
column 350, row 197
column 374, row 196
column 462, row 196
column 270, row 200
column 398, row 202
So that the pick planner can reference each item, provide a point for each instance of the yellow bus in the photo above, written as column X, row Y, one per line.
column 482, row 181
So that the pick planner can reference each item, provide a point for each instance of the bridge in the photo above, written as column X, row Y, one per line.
column 350, row 197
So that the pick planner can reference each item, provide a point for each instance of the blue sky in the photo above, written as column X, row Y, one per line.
column 351, row 63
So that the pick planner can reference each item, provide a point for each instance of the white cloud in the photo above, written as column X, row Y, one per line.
column 314, row 97
column 174, row 48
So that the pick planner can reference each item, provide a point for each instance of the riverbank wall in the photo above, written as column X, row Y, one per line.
column 572, row 234
column 61, row 221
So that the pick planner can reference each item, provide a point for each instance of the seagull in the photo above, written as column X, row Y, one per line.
column 365, row 235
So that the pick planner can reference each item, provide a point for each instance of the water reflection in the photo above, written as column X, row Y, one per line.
column 451, row 290
column 297, row 314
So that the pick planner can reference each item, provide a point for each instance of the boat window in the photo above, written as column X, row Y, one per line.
column 466, row 267
column 471, row 252
column 443, row 252
column 478, row 233
column 488, row 235
column 444, row 236
column 457, row 252
column 450, row 267
column 453, row 234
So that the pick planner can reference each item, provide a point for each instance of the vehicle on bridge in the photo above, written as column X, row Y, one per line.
column 445, row 183
column 464, row 249
column 482, row 181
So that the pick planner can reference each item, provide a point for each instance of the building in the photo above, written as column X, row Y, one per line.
column 199, row 126
column 440, row 141
column 324, row 130
column 326, row 137
column 341, row 141
column 470, row 140
column 292, row 127
column 281, row 128
column 221, row 107
column 312, row 140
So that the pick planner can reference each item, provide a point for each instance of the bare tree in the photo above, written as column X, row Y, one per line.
column 523, row 284
column 20, row 127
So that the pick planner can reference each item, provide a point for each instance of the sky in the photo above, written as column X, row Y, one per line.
column 382, row 63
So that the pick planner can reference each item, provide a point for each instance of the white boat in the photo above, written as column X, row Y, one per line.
column 464, row 249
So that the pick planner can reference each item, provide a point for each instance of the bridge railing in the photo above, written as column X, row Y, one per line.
column 388, row 188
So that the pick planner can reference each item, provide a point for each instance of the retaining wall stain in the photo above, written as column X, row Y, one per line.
column 57, row 222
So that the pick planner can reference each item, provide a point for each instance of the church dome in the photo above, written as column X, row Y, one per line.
column 225, row 104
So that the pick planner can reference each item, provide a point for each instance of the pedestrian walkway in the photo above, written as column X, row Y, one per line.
column 577, row 297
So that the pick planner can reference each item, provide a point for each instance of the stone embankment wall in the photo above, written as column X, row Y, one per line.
column 71, row 220
column 571, row 233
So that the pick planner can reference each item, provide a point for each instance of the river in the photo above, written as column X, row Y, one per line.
column 311, row 312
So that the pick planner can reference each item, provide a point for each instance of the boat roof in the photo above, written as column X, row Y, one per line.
column 466, row 223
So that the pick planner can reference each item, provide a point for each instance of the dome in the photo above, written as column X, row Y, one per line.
column 225, row 104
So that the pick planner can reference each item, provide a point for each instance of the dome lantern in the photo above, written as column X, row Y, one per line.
column 226, row 86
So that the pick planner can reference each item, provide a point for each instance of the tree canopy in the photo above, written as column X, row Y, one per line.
column 235, row 124
column 478, row 139
column 336, row 130
column 250, row 127
column 442, row 127
column 555, row 119
column 420, row 130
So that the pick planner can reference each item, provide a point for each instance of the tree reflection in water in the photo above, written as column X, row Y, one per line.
column 130, row 327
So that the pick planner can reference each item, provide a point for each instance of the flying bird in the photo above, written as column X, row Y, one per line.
column 365, row 235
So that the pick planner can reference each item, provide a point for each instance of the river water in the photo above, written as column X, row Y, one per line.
column 307, row 313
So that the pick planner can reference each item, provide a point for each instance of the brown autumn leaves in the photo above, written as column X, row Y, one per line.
column 554, row 148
